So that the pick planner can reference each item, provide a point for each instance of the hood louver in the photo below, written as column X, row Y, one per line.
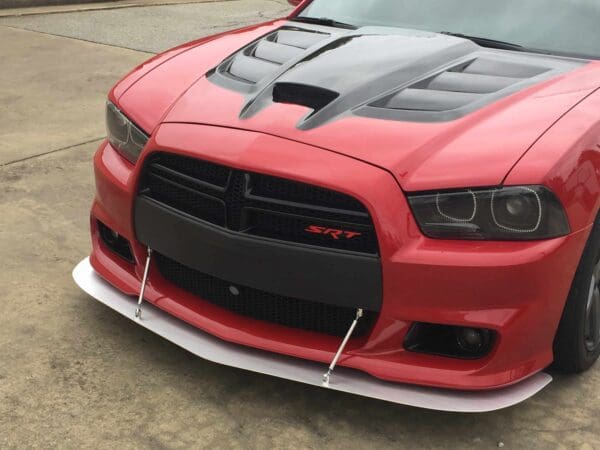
column 465, row 85
column 266, row 56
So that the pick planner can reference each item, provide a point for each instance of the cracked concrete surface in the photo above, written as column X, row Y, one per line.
column 73, row 374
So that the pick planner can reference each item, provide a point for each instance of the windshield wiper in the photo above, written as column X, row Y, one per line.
column 324, row 21
column 491, row 43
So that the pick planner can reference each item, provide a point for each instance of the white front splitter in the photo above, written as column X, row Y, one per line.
column 218, row 351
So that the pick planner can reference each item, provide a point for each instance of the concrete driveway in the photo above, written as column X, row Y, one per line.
column 73, row 374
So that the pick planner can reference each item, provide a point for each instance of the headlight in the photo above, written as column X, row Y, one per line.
column 510, row 213
column 123, row 134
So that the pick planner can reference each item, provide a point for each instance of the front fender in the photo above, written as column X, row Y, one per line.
column 567, row 160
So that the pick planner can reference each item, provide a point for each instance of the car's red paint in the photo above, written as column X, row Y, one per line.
column 548, row 134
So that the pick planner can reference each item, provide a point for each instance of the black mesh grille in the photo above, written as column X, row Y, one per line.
column 291, row 191
column 194, row 168
column 182, row 198
column 259, row 205
column 261, row 305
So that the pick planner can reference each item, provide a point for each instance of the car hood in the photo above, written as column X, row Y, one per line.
column 436, row 111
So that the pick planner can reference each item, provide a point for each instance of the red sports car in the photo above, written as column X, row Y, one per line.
column 396, row 199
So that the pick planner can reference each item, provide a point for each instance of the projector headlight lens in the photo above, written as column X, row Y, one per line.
column 508, row 213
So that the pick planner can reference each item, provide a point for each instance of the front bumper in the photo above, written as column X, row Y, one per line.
column 346, row 380
column 517, row 289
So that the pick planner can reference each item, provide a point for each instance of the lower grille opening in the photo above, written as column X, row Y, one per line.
column 261, row 305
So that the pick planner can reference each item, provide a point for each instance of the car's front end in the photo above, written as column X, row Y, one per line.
column 280, row 200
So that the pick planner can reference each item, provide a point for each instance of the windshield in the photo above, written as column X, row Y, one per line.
column 569, row 27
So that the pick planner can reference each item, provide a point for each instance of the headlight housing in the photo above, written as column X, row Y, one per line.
column 515, row 213
column 123, row 134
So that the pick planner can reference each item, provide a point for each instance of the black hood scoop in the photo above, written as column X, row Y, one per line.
column 313, row 97
column 386, row 73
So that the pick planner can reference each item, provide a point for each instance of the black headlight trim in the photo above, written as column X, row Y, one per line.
column 495, row 213
column 130, row 140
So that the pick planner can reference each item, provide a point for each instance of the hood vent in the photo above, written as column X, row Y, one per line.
column 303, row 94
column 469, row 84
column 266, row 56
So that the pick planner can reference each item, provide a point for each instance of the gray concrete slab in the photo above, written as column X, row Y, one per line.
column 73, row 374
column 52, row 90
column 155, row 28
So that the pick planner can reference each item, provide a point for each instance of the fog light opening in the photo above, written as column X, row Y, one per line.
column 449, row 341
column 115, row 242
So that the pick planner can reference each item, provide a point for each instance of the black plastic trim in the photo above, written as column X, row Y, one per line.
column 293, row 270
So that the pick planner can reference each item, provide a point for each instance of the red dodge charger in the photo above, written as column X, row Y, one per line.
column 392, row 198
